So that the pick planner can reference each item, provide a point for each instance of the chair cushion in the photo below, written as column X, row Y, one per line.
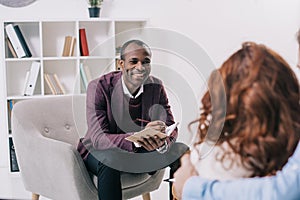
column 129, row 179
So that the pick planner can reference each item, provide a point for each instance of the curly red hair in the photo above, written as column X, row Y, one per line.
column 260, row 111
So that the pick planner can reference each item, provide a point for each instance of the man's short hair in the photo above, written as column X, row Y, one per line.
column 137, row 42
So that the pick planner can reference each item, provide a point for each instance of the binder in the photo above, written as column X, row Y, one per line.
column 16, row 43
column 26, row 82
column 22, row 40
column 33, row 75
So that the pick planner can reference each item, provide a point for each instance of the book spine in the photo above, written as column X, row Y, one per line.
column 87, row 73
column 83, row 76
column 72, row 47
column 60, row 86
column 22, row 40
column 67, row 45
column 10, row 104
column 52, row 80
column 14, row 167
column 84, row 49
column 117, row 64
column 16, row 43
column 11, row 48
column 50, row 84
column 33, row 75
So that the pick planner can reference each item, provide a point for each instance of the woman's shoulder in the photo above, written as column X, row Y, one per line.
column 218, row 162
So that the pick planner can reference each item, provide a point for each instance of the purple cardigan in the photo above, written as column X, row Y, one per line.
column 105, row 111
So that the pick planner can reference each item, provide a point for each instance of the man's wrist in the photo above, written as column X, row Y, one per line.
column 136, row 144
column 163, row 148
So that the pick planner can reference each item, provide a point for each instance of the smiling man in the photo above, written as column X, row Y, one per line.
column 119, row 104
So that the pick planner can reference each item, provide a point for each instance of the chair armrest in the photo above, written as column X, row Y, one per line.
column 48, row 165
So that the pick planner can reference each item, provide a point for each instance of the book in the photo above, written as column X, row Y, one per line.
column 14, row 167
column 22, row 40
column 33, row 75
column 117, row 64
column 11, row 48
column 9, row 116
column 151, row 132
column 54, row 84
column 67, row 46
column 49, row 83
column 171, row 128
column 117, row 58
column 84, row 49
column 10, row 104
column 59, row 85
column 14, row 39
column 145, row 133
column 72, row 46
column 87, row 73
column 83, row 76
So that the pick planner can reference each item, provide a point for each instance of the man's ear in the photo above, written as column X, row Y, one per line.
column 121, row 63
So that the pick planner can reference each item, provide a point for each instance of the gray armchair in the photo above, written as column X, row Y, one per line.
column 45, row 133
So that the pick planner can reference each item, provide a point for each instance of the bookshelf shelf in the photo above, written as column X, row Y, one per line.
column 21, row 59
column 23, row 97
column 59, row 58
column 46, row 42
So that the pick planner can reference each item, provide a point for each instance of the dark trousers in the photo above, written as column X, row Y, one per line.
column 109, row 179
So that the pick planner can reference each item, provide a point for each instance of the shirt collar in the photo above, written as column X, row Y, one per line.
column 126, row 91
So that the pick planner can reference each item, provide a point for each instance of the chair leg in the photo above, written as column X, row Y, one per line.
column 146, row 196
column 35, row 196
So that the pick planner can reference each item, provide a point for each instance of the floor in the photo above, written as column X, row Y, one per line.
column 11, row 187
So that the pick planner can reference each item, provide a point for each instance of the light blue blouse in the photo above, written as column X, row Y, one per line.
column 284, row 185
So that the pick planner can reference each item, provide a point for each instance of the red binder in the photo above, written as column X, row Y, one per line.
column 84, row 49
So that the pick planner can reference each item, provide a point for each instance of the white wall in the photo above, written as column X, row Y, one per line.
column 219, row 26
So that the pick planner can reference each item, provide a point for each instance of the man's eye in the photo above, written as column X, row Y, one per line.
column 146, row 62
column 133, row 62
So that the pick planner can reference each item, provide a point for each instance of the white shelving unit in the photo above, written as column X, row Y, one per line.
column 45, row 39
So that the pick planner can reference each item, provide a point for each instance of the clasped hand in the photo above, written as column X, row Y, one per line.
column 182, row 174
column 151, row 143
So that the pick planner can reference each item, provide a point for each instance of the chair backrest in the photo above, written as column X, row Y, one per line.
column 46, row 133
column 61, row 118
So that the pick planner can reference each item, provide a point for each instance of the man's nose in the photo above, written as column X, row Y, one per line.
column 139, row 65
